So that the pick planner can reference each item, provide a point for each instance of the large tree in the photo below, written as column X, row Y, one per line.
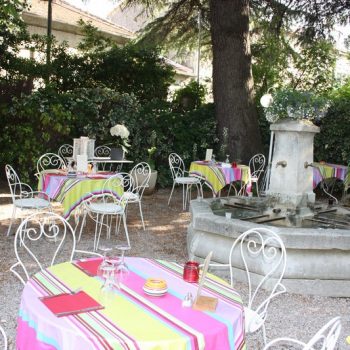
column 225, row 29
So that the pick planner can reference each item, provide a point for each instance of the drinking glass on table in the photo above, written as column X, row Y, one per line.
column 122, row 270
column 107, row 290
column 105, row 262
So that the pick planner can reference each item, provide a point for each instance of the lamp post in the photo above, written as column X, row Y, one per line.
column 199, row 44
column 49, row 32
column 266, row 100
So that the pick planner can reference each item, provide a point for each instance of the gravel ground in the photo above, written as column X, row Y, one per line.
column 291, row 315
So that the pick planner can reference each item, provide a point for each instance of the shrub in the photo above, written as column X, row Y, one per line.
column 333, row 143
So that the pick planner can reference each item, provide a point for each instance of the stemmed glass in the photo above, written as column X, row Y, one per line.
column 227, row 161
column 106, row 270
column 105, row 263
column 122, row 270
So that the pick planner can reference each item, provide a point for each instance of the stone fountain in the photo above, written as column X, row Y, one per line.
column 317, row 238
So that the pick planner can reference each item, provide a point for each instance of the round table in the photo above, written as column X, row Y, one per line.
column 133, row 320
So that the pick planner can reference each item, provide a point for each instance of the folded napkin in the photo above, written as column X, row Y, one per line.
column 70, row 304
column 88, row 266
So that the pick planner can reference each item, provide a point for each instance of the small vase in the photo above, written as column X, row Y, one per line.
column 117, row 154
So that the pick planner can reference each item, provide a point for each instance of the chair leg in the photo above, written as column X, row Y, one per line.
column 126, row 230
column 82, row 225
column 264, row 334
column 143, row 224
column 12, row 218
column 171, row 193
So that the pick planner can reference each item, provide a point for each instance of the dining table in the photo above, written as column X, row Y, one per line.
column 323, row 171
column 218, row 174
column 72, row 191
column 132, row 318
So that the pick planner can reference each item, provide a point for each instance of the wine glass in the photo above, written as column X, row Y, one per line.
column 122, row 270
column 105, row 263
column 107, row 290
column 227, row 161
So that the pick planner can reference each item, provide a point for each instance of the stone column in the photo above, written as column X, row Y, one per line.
column 293, row 146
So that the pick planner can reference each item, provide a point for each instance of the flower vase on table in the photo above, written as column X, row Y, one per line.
column 121, row 133
column 117, row 153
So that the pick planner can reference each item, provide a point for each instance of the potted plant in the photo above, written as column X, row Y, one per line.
column 151, row 161
column 293, row 104
column 121, row 144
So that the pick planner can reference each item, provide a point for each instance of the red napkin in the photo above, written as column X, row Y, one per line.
column 88, row 266
column 70, row 304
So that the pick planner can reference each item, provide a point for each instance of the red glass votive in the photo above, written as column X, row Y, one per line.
column 191, row 272
column 234, row 165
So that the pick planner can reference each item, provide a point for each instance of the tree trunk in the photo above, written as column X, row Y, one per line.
column 232, row 77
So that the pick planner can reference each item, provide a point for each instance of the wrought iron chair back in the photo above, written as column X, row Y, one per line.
column 102, row 151
column 37, row 229
column 140, row 174
column 177, row 166
column 325, row 339
column 66, row 152
column 257, row 165
column 50, row 161
column 14, row 183
column 266, row 245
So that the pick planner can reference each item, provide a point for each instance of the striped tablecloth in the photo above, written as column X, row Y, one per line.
column 217, row 176
column 133, row 320
column 71, row 192
column 323, row 171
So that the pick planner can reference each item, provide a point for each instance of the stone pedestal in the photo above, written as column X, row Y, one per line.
column 290, row 181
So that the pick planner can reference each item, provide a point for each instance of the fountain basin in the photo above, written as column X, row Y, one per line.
column 317, row 258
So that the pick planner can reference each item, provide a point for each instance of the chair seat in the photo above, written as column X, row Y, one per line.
column 32, row 203
column 105, row 208
column 253, row 320
column 187, row 180
column 131, row 197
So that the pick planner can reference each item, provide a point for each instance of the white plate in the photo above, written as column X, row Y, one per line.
column 155, row 292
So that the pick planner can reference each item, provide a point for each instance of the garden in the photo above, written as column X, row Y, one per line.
column 141, row 285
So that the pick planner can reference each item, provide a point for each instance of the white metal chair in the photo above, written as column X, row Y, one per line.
column 263, row 244
column 182, row 177
column 140, row 174
column 49, row 161
column 325, row 339
column 104, row 207
column 66, row 152
column 23, row 196
column 48, row 229
column 102, row 151
column 256, row 166
column 5, row 344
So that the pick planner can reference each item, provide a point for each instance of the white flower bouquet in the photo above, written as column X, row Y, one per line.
column 122, row 134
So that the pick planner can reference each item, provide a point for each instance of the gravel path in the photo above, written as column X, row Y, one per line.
column 165, row 238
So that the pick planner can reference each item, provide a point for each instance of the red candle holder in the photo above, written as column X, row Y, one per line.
column 234, row 165
column 191, row 272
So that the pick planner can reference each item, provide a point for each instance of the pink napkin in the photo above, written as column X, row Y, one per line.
column 88, row 266
column 66, row 304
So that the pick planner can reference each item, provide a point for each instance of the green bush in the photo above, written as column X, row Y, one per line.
column 41, row 122
column 333, row 142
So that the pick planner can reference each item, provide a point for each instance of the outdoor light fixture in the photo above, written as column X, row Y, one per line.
column 266, row 100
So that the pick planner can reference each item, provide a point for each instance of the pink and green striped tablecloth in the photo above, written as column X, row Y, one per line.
column 322, row 171
column 71, row 192
column 132, row 320
column 218, row 176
